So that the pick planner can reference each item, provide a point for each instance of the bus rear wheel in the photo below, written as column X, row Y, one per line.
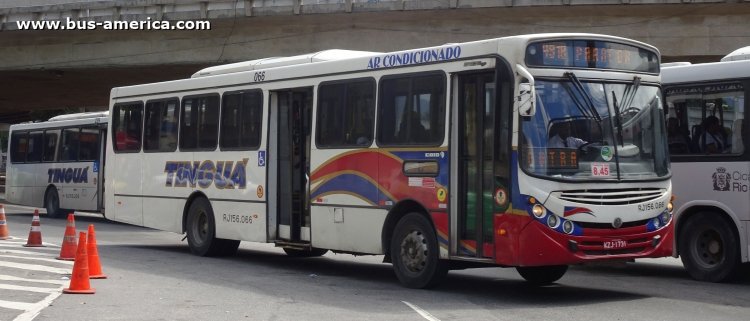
column 52, row 203
column 414, row 252
column 709, row 248
column 542, row 275
column 201, row 232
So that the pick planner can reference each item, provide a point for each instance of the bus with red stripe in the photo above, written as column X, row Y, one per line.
column 534, row 152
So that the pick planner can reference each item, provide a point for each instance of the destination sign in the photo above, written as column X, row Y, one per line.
column 594, row 54
column 555, row 158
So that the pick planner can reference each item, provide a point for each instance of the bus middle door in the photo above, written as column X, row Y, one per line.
column 479, row 163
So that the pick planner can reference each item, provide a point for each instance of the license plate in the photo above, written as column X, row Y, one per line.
column 616, row 244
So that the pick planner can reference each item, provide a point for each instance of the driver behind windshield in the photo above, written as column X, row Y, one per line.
column 563, row 139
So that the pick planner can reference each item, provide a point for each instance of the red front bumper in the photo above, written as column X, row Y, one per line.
column 539, row 245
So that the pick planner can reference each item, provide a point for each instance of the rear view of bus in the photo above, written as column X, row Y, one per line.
column 711, row 173
column 593, row 174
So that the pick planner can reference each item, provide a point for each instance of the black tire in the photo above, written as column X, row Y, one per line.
column 305, row 253
column 542, row 275
column 709, row 248
column 201, row 230
column 52, row 204
column 415, row 253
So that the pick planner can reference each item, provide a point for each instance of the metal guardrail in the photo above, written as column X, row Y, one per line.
column 129, row 10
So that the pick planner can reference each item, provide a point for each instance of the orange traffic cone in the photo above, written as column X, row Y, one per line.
column 95, row 268
column 35, row 234
column 68, row 249
column 79, row 280
column 4, row 234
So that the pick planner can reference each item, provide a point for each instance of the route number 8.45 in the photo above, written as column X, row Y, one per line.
column 259, row 76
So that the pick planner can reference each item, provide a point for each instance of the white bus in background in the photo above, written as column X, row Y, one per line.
column 710, row 163
column 432, row 157
column 58, row 164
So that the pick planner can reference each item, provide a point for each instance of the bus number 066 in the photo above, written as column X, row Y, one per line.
column 259, row 76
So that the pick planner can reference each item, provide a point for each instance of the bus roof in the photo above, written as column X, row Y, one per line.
column 342, row 61
column 739, row 54
column 99, row 117
column 705, row 72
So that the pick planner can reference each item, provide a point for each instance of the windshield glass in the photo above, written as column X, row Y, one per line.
column 594, row 130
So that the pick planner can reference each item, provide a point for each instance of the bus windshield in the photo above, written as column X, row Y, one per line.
column 595, row 130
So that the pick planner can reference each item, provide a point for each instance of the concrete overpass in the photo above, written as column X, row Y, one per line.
column 75, row 69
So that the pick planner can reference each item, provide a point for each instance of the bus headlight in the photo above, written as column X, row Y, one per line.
column 670, row 207
column 657, row 223
column 538, row 210
column 568, row 227
column 665, row 216
column 553, row 221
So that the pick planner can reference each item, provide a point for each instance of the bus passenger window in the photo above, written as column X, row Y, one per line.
column 346, row 114
column 200, row 122
column 35, row 147
column 88, row 144
column 127, row 120
column 711, row 116
column 160, row 129
column 50, row 145
column 19, row 142
column 412, row 111
column 69, row 144
column 241, row 120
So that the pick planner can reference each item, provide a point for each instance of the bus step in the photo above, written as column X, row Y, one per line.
column 293, row 245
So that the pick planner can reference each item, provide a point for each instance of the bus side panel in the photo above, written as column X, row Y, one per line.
column 21, row 182
column 235, row 183
column 343, row 186
column 342, row 228
column 125, row 170
column 240, row 220
column 78, row 182
column 164, row 193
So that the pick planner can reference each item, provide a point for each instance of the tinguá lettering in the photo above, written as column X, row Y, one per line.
column 68, row 175
column 222, row 174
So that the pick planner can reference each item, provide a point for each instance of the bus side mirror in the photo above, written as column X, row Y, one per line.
column 526, row 99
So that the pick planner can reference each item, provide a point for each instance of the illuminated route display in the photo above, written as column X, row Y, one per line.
column 591, row 54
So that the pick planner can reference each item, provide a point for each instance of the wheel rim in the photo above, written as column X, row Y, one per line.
column 709, row 248
column 200, row 228
column 414, row 251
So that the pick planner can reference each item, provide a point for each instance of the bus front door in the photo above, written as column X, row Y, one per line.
column 292, row 114
column 477, row 164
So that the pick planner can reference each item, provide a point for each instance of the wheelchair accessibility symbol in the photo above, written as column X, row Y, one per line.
column 261, row 158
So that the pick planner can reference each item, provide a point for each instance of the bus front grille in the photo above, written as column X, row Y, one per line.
column 611, row 196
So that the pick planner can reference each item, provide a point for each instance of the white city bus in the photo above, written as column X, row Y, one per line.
column 56, row 164
column 432, row 157
column 710, row 164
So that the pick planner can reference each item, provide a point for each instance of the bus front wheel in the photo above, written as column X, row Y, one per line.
column 201, row 232
column 709, row 248
column 542, row 275
column 414, row 252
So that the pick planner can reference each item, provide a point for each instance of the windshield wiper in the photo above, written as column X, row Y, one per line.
column 629, row 94
column 589, row 102
column 618, row 119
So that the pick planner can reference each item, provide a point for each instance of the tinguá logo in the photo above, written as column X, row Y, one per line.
column 222, row 174
column 68, row 175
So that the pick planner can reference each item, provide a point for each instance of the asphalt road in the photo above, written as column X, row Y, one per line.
column 153, row 276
